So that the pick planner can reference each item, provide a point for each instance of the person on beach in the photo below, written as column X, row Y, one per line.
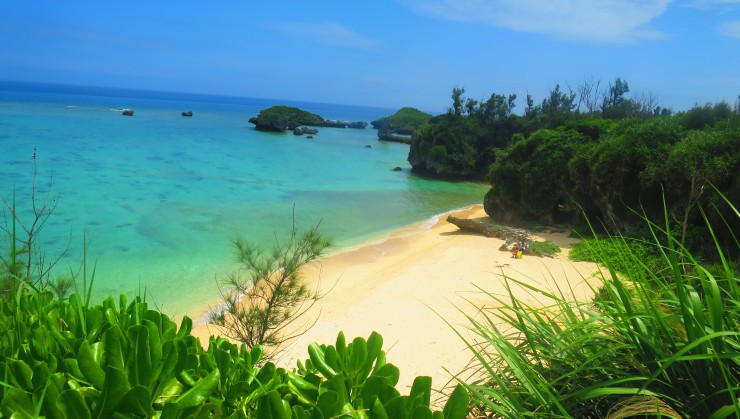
column 515, row 251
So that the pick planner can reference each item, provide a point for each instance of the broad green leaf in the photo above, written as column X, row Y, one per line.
column 41, row 374
column 457, row 405
column 200, row 392
column 270, row 406
column 318, row 359
column 137, row 401
column 114, row 348
column 328, row 404
column 155, row 345
column 422, row 388
column 170, row 391
column 22, row 374
column 139, row 362
column 358, row 356
column 90, row 369
column 378, row 410
column 18, row 402
column 389, row 371
column 73, row 405
column 115, row 386
column 421, row 412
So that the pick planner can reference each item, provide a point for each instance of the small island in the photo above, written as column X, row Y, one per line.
column 283, row 118
column 400, row 126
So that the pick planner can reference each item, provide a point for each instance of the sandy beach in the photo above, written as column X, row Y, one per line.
column 404, row 286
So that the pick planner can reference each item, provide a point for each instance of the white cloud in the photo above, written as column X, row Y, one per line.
column 609, row 21
column 327, row 33
column 731, row 29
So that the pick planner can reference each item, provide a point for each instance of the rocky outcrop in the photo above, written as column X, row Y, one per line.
column 187, row 113
column 127, row 112
column 282, row 118
column 330, row 123
column 401, row 126
column 305, row 130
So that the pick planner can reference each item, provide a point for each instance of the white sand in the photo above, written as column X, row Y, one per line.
column 405, row 286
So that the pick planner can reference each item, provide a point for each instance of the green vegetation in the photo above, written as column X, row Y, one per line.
column 593, row 152
column 405, row 121
column 543, row 248
column 281, row 118
column 658, row 341
column 291, row 114
column 66, row 358
column 266, row 303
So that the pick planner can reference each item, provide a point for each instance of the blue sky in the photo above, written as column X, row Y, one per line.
column 387, row 53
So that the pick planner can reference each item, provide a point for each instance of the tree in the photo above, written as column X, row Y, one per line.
column 613, row 100
column 457, row 100
column 589, row 94
column 25, row 261
column 269, row 298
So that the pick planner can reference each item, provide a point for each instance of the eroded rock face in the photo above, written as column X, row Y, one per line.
column 127, row 112
column 271, row 124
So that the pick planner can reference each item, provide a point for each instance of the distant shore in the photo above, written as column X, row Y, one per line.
column 404, row 286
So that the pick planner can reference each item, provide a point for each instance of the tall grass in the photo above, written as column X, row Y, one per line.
column 654, row 342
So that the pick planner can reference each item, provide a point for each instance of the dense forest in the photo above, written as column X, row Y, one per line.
column 589, row 151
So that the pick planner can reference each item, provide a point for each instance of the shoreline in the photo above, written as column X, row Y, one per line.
column 410, row 285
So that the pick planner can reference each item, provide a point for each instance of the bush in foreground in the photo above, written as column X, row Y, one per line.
column 64, row 358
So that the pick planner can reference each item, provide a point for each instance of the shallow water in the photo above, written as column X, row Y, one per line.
column 160, row 196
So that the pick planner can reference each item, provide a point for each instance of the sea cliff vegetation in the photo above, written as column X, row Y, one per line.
column 589, row 152
column 280, row 118
column 400, row 126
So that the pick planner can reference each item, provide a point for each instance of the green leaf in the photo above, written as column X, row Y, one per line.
column 22, row 374
column 137, row 401
column 457, row 405
column 114, row 348
column 422, row 388
column 328, row 404
column 270, row 406
column 378, row 410
column 18, row 402
column 115, row 386
column 139, row 365
column 358, row 356
column 317, row 355
column 89, row 367
column 73, row 405
column 200, row 392
column 421, row 412
column 389, row 371
column 186, row 325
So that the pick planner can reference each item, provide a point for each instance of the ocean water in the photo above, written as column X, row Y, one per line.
column 159, row 197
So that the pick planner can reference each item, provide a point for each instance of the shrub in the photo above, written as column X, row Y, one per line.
column 662, row 342
column 61, row 358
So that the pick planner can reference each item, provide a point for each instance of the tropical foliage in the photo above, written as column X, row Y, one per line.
column 589, row 151
column 66, row 358
column 656, row 341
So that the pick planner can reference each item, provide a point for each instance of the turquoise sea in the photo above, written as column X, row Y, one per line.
column 159, row 196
